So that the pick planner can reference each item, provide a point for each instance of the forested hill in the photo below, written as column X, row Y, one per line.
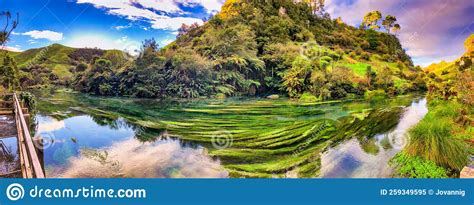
column 261, row 48
column 258, row 48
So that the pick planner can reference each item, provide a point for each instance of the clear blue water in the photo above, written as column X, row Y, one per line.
column 98, row 137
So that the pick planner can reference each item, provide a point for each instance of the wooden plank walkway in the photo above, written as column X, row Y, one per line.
column 15, row 124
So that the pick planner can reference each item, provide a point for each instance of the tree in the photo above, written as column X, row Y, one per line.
column 388, row 22
column 469, row 44
column 371, row 20
column 396, row 28
column 99, row 77
column 464, row 63
column 81, row 67
column 9, row 26
column 147, row 76
column 370, row 75
column 10, row 74
column 384, row 78
column 295, row 77
column 149, row 46
column 317, row 6
column 464, row 86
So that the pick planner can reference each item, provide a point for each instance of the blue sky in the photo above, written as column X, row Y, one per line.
column 431, row 29
column 117, row 24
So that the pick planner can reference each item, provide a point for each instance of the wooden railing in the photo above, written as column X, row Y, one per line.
column 30, row 164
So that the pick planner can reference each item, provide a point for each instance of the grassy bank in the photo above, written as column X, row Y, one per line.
column 440, row 144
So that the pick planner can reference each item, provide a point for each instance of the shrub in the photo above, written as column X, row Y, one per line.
column 220, row 96
column 375, row 94
column 308, row 97
column 365, row 56
column 431, row 139
column 416, row 167
column 105, row 89
column 29, row 100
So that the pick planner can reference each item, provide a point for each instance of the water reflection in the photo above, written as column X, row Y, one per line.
column 66, row 137
column 9, row 159
column 133, row 159
column 368, row 159
column 82, row 146
column 49, row 124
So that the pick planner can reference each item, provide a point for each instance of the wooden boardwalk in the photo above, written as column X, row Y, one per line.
column 18, row 154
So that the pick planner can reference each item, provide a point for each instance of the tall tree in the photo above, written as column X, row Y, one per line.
column 9, row 72
column 9, row 26
column 389, row 22
column 371, row 20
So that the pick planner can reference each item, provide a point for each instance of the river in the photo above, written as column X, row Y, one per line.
column 87, row 136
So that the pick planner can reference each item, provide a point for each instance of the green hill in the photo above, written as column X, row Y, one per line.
column 61, row 60
column 448, row 70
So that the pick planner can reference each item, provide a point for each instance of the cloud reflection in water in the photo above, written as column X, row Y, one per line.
column 134, row 159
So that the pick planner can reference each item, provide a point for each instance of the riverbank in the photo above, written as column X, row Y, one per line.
column 440, row 144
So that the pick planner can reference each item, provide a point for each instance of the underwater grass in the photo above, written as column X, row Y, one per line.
column 270, row 138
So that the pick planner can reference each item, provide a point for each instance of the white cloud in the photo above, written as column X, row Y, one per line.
column 50, row 35
column 156, row 12
column 10, row 48
column 160, row 5
column 123, row 27
column 103, row 42
column 211, row 6
column 51, row 126
column 173, row 23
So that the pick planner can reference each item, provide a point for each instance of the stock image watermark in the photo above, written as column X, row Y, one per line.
column 16, row 192
column 44, row 140
column 222, row 139
column 311, row 50
column 398, row 139
column 422, row 192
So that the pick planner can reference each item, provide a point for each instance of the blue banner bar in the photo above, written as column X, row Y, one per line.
column 237, row 191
